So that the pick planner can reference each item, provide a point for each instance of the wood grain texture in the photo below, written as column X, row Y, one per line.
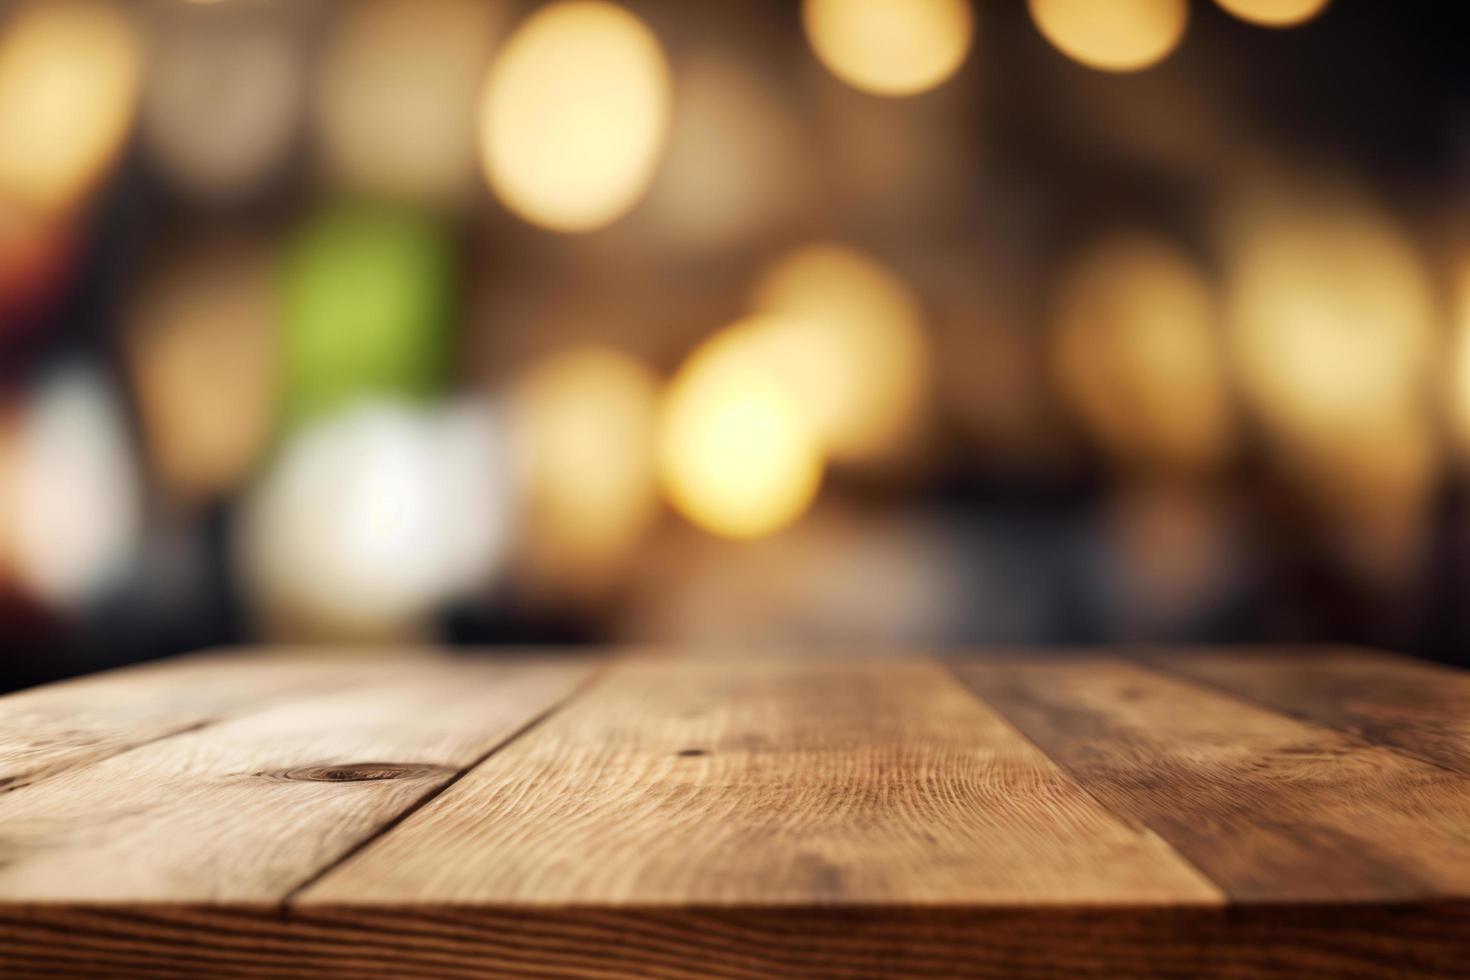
column 1419, row 708
column 250, row 808
column 767, row 783
column 1083, row 816
column 52, row 728
column 1273, row 809
column 468, row 942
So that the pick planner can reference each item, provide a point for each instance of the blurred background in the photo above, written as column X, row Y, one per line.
column 861, row 322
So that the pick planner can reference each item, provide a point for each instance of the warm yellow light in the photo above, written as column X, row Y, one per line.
column 574, row 115
column 890, row 47
column 586, row 419
column 850, row 340
column 1138, row 354
column 1331, row 316
column 1459, row 368
column 1113, row 35
column 203, row 346
column 736, row 452
column 69, row 76
column 399, row 88
column 1275, row 13
column 1332, row 323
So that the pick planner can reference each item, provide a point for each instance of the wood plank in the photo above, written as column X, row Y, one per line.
column 767, row 783
column 59, row 726
column 1273, row 809
column 1419, row 708
column 252, row 807
column 1344, row 942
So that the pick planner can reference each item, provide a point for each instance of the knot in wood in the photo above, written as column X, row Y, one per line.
column 359, row 772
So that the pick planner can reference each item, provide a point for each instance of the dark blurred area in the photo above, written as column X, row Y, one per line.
column 847, row 322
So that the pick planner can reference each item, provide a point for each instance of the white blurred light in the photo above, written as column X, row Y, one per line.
column 574, row 115
column 372, row 518
column 76, row 500
column 890, row 47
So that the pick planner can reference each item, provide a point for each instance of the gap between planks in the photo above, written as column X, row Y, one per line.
column 1269, row 806
column 594, row 674
column 1168, row 665
column 271, row 780
column 33, row 750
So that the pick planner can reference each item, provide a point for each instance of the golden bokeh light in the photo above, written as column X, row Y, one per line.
column 1332, row 323
column 1137, row 352
column 574, row 115
column 890, row 47
column 1116, row 35
column 203, row 351
column 1275, row 13
column 737, row 454
column 587, row 420
column 1330, row 314
column 395, row 108
column 849, row 337
column 69, row 78
column 1459, row 366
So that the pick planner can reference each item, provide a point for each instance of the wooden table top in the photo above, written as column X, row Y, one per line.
column 1279, row 812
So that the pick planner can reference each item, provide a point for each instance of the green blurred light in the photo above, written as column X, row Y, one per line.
column 368, row 302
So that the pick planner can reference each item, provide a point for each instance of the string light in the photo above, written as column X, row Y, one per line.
column 1275, row 13
column 574, row 115
column 1118, row 35
column 890, row 47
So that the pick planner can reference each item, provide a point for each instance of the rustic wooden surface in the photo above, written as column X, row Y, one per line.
column 1160, row 813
